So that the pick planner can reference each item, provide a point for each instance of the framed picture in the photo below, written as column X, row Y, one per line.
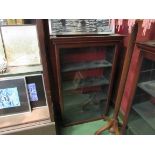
column 21, row 45
column 36, row 90
column 80, row 26
column 13, row 96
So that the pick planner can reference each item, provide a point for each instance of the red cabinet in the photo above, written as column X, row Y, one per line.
column 138, row 100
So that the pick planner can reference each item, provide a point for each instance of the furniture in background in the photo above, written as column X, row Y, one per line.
column 113, row 124
column 139, row 117
column 40, row 119
column 84, row 69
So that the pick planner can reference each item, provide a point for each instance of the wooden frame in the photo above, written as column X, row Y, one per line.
column 146, row 50
column 77, row 42
column 44, row 44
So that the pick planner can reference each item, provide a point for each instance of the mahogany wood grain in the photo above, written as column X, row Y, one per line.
column 43, row 37
column 125, row 69
column 132, row 92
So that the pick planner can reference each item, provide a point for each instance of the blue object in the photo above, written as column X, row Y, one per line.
column 9, row 98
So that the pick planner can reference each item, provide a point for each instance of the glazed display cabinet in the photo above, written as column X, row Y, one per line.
column 84, row 69
column 140, row 116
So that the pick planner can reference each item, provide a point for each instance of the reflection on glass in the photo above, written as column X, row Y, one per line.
column 21, row 45
column 85, row 82
column 9, row 98
column 142, row 116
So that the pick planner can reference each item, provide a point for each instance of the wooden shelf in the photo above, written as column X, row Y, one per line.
column 77, row 98
column 89, row 82
column 99, row 95
column 83, row 106
column 148, row 87
column 138, row 126
column 86, row 65
column 74, row 99
column 22, row 70
column 147, row 111
column 38, row 114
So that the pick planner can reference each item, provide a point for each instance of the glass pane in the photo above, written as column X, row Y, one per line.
column 21, row 45
column 85, row 76
column 142, row 116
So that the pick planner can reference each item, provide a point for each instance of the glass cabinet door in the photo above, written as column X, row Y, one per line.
column 85, row 79
column 142, row 115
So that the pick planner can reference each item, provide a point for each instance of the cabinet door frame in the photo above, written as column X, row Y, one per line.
column 59, row 43
column 44, row 45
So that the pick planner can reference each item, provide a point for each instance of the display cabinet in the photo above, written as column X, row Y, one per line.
column 25, row 89
column 84, row 68
column 139, row 117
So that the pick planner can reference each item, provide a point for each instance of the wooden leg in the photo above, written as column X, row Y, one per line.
column 116, row 129
column 106, row 127
column 112, row 126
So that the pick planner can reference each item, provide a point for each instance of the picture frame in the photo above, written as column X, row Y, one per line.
column 13, row 96
column 80, row 27
column 36, row 90
column 21, row 45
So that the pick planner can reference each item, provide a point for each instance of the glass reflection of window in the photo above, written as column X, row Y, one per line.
column 19, row 42
column 21, row 45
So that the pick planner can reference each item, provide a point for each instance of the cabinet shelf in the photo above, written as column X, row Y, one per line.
column 138, row 126
column 77, row 98
column 147, row 111
column 78, row 104
column 71, row 85
column 22, row 70
column 148, row 87
column 86, row 65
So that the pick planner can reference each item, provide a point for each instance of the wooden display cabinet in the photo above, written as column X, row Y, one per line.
column 139, row 118
column 39, row 120
column 84, row 69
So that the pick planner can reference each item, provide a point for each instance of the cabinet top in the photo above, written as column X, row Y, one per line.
column 86, row 38
column 147, row 45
